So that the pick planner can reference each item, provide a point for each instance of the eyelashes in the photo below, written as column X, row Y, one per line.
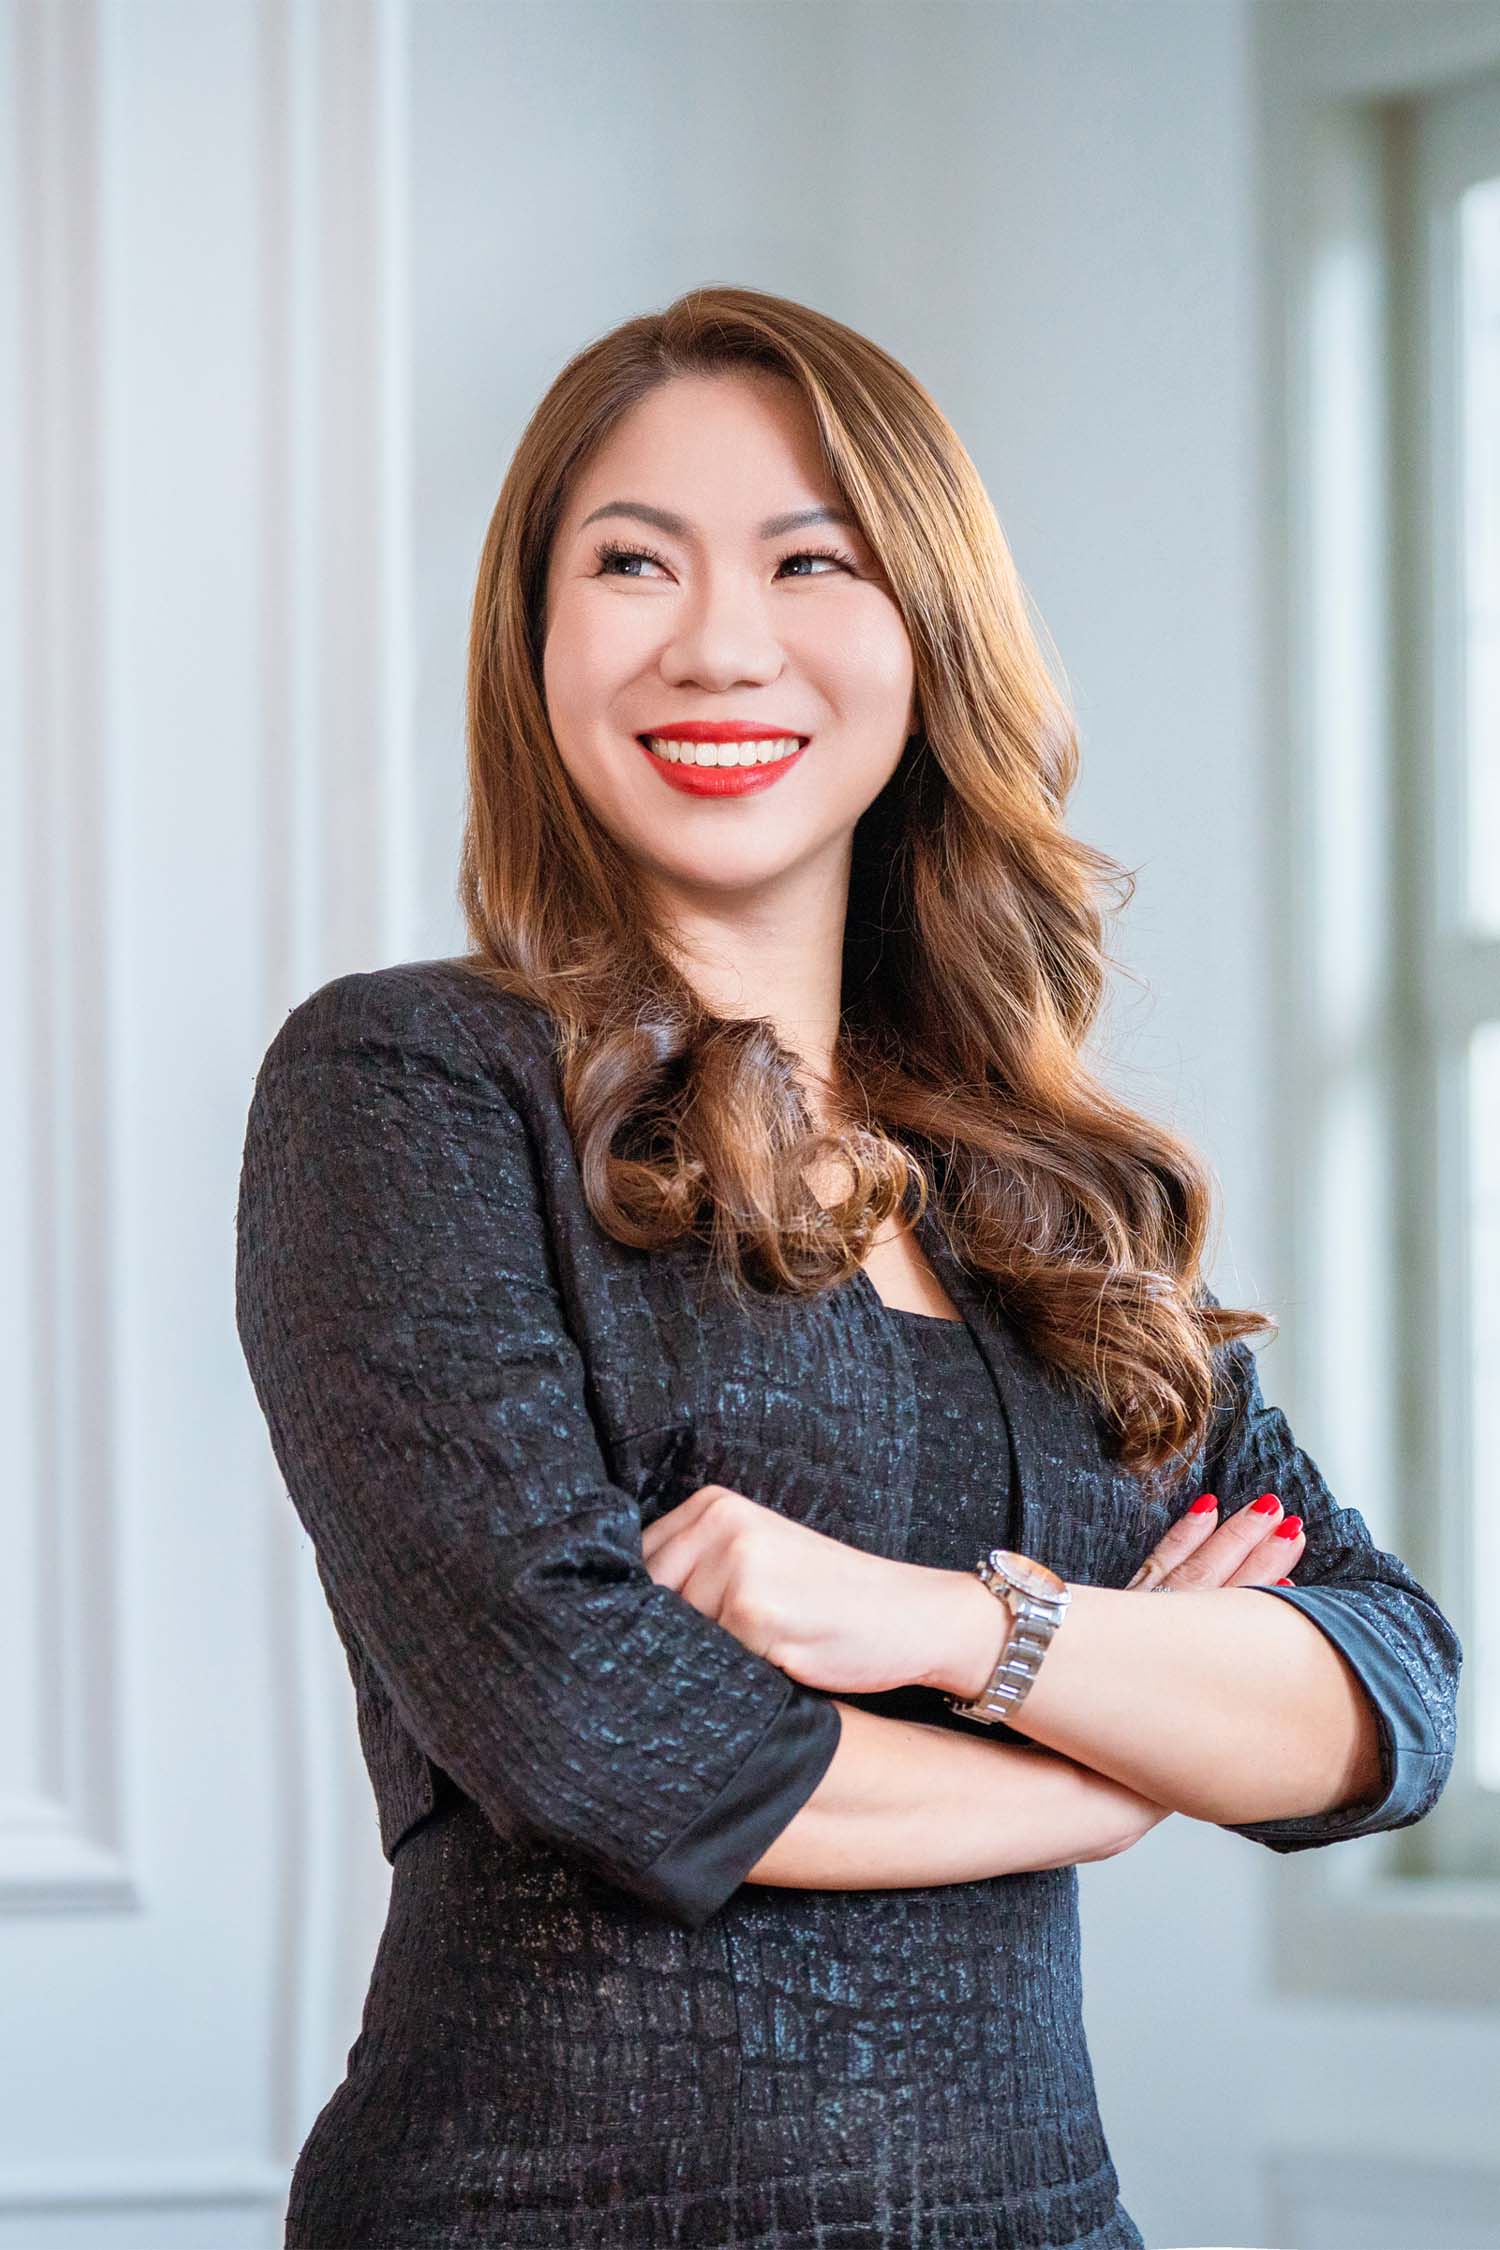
column 610, row 552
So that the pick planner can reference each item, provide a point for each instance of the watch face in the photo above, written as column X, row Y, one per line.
column 1035, row 1577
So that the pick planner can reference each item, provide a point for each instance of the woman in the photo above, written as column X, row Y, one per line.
column 665, row 1311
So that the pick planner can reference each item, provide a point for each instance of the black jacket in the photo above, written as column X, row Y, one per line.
column 476, row 1397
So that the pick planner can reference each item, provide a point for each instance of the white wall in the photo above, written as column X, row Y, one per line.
column 332, row 254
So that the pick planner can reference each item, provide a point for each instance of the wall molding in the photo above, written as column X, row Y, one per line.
column 124, row 2188
column 338, row 829
column 64, row 1809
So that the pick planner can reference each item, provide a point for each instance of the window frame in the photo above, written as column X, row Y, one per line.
column 1366, row 1366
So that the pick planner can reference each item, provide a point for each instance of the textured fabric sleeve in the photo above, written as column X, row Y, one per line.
column 1402, row 1648
column 426, row 1404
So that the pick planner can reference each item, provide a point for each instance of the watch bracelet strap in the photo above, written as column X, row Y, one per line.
column 1036, row 1618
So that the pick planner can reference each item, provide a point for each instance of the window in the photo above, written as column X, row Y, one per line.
column 1447, row 433
column 1381, row 153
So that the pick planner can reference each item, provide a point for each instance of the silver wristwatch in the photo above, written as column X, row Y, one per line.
column 1038, row 1600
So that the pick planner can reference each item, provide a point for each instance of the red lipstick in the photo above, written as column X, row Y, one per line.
column 721, row 781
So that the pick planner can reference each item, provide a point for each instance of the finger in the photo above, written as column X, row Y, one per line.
column 1185, row 1537
column 671, row 1554
column 677, row 1518
column 1216, row 1562
column 1274, row 1554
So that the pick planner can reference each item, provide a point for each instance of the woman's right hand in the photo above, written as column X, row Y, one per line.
column 1119, row 1815
column 1141, row 1816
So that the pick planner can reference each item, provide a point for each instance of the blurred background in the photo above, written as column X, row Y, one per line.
column 1211, row 291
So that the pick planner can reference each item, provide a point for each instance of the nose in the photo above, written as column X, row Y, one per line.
column 721, row 637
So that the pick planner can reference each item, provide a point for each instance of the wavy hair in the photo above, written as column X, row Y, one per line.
column 974, row 961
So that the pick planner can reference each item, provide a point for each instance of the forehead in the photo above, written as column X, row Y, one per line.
column 700, row 454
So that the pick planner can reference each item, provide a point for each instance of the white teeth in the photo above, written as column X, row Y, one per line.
column 722, row 753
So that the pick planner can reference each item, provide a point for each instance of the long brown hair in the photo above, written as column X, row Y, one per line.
column 973, row 958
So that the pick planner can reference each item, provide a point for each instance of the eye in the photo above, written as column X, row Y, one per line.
column 611, row 553
column 819, row 554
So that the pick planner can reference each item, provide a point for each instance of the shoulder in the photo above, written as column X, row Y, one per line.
column 445, row 1011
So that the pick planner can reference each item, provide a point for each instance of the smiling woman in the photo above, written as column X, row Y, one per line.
column 726, row 629
column 682, row 1559
column 744, row 525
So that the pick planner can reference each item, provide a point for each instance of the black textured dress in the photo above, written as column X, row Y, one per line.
column 584, row 2025
column 904, row 2066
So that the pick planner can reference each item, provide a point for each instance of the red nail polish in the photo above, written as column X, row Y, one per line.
column 1203, row 1503
column 1289, row 1529
column 1266, row 1505
column 1283, row 1582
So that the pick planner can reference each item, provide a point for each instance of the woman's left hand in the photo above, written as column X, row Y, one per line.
column 1254, row 1545
column 830, row 1615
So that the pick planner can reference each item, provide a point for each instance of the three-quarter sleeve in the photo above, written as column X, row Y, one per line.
column 399, row 1312
column 1399, row 1643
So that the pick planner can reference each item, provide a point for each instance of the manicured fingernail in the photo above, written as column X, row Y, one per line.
column 1289, row 1529
column 1266, row 1505
column 1202, row 1505
column 1283, row 1582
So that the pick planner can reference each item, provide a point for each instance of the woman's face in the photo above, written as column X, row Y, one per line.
column 714, row 615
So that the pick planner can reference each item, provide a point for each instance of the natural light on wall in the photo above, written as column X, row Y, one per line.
column 1479, row 300
column 1479, row 237
column 1484, row 1177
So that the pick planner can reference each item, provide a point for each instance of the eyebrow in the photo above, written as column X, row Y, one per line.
column 662, row 519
